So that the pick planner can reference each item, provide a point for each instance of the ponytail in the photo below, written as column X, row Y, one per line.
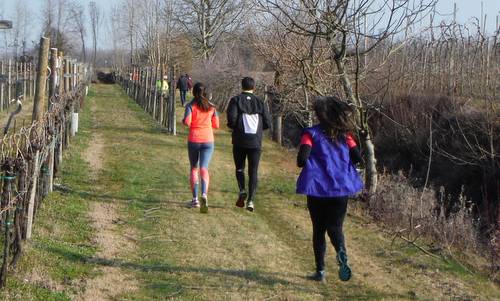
column 200, row 97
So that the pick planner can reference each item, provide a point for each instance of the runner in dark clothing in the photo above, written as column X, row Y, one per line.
column 183, row 86
column 248, row 117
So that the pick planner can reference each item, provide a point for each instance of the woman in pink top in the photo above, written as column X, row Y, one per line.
column 201, row 117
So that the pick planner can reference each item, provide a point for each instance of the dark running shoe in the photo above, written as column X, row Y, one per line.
column 317, row 276
column 344, row 269
column 241, row 199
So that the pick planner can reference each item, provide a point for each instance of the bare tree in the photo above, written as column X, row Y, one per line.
column 128, row 20
column 207, row 21
column 95, row 22
column 336, row 26
column 78, row 16
column 57, row 23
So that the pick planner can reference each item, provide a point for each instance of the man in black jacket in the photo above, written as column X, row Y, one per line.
column 183, row 86
column 248, row 117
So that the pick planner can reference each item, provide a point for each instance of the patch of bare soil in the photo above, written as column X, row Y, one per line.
column 113, row 280
column 93, row 154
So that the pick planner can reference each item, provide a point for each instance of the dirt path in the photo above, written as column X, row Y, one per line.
column 105, row 217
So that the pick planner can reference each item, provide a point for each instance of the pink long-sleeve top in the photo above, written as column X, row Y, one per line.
column 201, row 123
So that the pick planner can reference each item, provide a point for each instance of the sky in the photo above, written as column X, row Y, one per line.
column 467, row 9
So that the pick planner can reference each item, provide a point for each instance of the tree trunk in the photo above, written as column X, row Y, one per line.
column 371, row 175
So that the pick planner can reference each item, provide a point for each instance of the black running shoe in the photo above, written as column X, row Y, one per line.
column 345, row 272
column 317, row 276
column 241, row 199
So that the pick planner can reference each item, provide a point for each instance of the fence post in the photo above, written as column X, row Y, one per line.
column 52, row 93
column 2, row 69
column 66, row 75
column 25, row 91
column 33, row 79
column 43, row 57
column 60, row 73
column 173, row 126
column 31, row 204
column 53, row 76
column 145, row 93
column 9, row 85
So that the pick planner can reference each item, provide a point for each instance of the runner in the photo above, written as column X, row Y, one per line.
column 201, row 117
column 328, row 154
column 183, row 85
column 247, row 116
column 162, row 86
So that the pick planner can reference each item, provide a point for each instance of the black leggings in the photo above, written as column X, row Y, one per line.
column 327, row 215
column 240, row 154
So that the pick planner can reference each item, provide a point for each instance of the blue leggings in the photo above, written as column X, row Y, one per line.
column 200, row 155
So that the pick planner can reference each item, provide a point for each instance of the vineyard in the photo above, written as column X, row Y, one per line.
column 32, row 153
column 97, row 177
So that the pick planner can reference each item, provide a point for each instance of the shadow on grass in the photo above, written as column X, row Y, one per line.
column 263, row 278
column 147, row 200
column 267, row 279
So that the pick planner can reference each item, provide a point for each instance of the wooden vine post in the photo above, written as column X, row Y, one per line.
column 171, row 117
column 39, row 102
column 161, row 96
column 49, row 175
column 59, row 119
column 38, row 110
column 2, row 70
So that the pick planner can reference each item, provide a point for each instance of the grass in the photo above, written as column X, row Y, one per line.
column 228, row 254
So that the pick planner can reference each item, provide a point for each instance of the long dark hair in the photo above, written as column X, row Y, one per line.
column 334, row 116
column 200, row 97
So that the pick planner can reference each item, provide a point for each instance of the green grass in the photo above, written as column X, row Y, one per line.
column 227, row 254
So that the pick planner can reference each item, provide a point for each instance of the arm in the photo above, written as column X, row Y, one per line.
column 232, row 113
column 188, row 114
column 304, row 150
column 354, row 152
column 215, row 120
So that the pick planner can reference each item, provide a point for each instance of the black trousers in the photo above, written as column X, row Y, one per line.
column 240, row 155
column 183, row 96
column 327, row 216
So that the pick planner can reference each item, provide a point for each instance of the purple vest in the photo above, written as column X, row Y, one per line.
column 329, row 171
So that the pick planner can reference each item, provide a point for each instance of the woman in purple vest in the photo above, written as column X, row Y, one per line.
column 327, row 155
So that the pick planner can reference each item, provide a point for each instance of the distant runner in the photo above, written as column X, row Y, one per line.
column 247, row 116
column 327, row 156
column 201, row 117
column 162, row 86
column 184, row 84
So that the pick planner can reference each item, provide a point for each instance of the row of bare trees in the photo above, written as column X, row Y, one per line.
column 68, row 24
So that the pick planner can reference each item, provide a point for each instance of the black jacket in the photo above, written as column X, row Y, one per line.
column 182, row 83
column 247, row 104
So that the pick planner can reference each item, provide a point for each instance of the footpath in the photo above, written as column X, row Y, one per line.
column 118, row 228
